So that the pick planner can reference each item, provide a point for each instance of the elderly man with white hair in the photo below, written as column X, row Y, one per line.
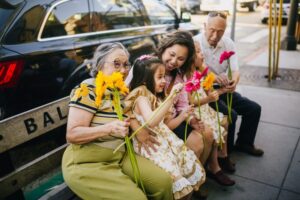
column 213, row 43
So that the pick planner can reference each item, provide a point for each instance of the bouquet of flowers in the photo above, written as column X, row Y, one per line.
column 226, row 56
column 192, row 86
column 116, row 84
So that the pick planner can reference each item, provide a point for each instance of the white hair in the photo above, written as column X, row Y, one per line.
column 100, row 54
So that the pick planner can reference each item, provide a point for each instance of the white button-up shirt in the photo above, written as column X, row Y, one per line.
column 212, row 54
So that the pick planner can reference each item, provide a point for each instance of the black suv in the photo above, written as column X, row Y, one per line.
column 43, row 43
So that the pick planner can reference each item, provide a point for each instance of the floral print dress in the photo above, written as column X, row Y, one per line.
column 209, row 116
column 172, row 155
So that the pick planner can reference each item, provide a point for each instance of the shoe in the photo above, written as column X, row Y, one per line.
column 226, row 164
column 220, row 178
column 200, row 194
column 249, row 149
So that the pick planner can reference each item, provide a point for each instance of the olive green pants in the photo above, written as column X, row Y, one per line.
column 94, row 172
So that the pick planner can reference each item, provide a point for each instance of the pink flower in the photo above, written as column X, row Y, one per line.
column 226, row 55
column 198, row 75
column 205, row 71
column 192, row 85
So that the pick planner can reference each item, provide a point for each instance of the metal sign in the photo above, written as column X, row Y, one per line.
column 28, row 125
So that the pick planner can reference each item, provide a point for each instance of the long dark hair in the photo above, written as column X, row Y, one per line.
column 183, row 38
column 143, row 74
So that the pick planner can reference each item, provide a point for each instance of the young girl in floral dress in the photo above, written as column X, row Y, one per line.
column 172, row 155
column 209, row 115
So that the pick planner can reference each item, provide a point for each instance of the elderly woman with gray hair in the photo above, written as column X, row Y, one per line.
column 89, row 166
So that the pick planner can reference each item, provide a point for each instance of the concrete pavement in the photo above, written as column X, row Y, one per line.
column 276, row 175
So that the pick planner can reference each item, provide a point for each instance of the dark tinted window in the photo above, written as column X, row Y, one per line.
column 111, row 14
column 26, row 27
column 158, row 12
column 284, row 1
column 5, row 14
column 68, row 18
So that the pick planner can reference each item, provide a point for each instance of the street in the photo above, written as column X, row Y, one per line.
column 251, row 36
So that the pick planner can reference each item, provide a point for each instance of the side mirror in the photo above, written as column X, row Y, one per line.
column 186, row 17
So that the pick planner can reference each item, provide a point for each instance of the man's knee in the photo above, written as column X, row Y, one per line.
column 257, row 108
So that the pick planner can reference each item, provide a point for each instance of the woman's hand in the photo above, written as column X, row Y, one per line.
column 119, row 128
column 176, row 88
column 147, row 140
column 213, row 96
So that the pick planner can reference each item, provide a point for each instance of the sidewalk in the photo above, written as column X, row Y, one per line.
column 276, row 175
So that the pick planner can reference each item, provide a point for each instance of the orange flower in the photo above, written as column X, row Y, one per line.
column 209, row 81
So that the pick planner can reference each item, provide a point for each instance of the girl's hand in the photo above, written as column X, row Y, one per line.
column 188, row 111
column 118, row 128
column 176, row 88
column 213, row 96
column 196, row 124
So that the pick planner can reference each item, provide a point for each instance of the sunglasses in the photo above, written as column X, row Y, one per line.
column 215, row 14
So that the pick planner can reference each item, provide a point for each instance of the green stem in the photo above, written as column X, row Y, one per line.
column 229, row 95
column 185, row 130
column 129, row 147
column 229, row 99
column 219, row 128
column 199, row 110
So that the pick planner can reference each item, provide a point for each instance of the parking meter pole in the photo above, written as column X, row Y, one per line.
column 290, row 42
column 275, row 73
column 270, row 43
column 232, row 33
column 274, row 36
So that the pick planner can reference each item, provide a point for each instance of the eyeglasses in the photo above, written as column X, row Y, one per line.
column 215, row 14
column 118, row 65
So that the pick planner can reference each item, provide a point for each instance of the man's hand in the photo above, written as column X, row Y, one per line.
column 222, row 79
column 232, row 86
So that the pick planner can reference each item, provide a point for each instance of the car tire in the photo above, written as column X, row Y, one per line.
column 264, row 20
column 252, row 7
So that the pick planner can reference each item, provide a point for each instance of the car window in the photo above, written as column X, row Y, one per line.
column 284, row 1
column 26, row 28
column 4, row 16
column 111, row 14
column 158, row 12
column 68, row 18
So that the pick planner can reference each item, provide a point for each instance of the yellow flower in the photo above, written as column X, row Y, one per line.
column 115, row 81
column 100, row 87
column 209, row 81
column 82, row 91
